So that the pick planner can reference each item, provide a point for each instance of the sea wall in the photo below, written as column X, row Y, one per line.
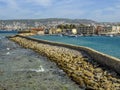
column 80, row 63
column 103, row 59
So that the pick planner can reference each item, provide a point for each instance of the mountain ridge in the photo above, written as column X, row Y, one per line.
column 67, row 20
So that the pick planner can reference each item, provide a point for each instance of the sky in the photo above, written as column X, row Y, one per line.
column 98, row 10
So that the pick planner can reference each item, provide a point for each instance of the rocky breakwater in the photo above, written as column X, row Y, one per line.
column 26, row 34
column 78, row 65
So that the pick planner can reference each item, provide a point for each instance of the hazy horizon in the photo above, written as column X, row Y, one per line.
column 100, row 11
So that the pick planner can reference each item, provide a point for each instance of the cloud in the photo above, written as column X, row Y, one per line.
column 40, row 2
column 12, row 10
column 106, row 14
column 90, row 9
column 9, row 3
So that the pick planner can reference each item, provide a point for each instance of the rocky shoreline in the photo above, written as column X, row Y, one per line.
column 77, row 64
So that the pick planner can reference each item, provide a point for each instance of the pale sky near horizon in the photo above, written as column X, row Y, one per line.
column 98, row 10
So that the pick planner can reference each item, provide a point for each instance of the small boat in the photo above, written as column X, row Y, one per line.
column 72, row 35
column 61, row 35
column 111, row 35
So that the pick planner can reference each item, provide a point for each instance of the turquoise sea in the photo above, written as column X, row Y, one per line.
column 3, row 33
column 104, row 44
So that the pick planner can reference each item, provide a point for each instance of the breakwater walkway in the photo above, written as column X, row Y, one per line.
column 77, row 64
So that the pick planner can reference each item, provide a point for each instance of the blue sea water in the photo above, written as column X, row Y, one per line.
column 104, row 44
column 3, row 38
column 4, row 33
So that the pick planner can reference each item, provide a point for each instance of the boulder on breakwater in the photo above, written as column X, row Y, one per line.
column 77, row 64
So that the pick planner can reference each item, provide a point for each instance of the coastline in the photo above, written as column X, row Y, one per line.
column 80, row 67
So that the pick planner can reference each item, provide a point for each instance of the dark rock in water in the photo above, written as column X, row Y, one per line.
column 89, row 88
column 2, row 88
column 30, row 61
column 51, row 66
column 1, row 72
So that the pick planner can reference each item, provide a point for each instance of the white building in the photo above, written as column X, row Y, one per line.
column 109, row 30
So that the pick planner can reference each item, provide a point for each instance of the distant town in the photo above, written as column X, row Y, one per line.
column 61, row 26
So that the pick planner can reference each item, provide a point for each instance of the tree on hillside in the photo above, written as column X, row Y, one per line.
column 66, row 26
column 61, row 26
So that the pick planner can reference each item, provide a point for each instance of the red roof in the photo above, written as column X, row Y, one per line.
column 38, row 29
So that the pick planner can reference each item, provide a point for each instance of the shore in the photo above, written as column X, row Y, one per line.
column 77, row 64
column 24, row 69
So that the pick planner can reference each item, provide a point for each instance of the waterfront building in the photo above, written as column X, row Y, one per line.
column 58, row 30
column 74, row 31
column 70, row 31
column 55, row 31
column 52, row 31
column 47, row 31
column 39, row 31
column 86, row 30
column 108, row 30
column 116, row 29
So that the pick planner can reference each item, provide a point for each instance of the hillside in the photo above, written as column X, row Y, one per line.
column 49, row 20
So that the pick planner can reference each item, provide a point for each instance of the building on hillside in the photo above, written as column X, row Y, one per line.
column 86, row 30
